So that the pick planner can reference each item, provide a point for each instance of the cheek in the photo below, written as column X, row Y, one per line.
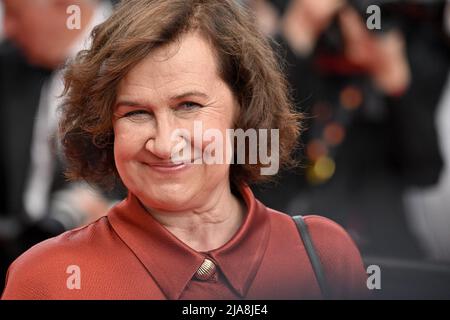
column 120, row 157
column 33, row 29
column 126, row 142
column 216, row 136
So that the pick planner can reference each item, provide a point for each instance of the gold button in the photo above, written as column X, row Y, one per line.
column 206, row 270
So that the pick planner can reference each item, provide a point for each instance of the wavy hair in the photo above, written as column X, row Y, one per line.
column 246, row 62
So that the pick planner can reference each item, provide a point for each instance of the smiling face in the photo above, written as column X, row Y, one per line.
column 171, row 88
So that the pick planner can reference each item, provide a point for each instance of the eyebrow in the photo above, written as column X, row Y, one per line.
column 190, row 94
column 175, row 97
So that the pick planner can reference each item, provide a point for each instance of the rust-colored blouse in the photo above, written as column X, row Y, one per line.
column 129, row 255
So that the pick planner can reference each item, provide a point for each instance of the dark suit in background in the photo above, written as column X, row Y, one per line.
column 20, row 91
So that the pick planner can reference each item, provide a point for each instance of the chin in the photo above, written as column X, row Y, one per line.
column 169, row 197
column 168, row 203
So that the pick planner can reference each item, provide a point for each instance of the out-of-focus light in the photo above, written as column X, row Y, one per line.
column 316, row 149
column 322, row 112
column 351, row 98
column 321, row 170
column 334, row 133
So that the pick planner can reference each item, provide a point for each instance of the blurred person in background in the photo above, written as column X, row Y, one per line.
column 372, row 103
column 428, row 206
column 373, row 154
column 37, row 202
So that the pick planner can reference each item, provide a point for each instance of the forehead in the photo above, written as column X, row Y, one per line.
column 189, row 61
column 22, row 5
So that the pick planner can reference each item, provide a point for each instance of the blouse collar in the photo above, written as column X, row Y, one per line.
column 172, row 264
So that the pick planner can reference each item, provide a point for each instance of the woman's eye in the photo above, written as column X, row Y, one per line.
column 138, row 115
column 189, row 106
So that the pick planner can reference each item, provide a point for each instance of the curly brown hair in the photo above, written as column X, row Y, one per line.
column 246, row 62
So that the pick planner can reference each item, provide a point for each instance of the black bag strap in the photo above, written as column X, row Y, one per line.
column 313, row 257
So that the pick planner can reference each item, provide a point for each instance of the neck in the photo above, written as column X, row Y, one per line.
column 209, row 226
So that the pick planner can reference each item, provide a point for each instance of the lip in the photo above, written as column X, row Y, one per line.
column 169, row 167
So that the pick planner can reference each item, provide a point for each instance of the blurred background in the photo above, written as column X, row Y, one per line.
column 373, row 84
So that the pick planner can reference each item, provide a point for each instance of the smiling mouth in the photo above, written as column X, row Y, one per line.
column 166, row 167
column 166, row 164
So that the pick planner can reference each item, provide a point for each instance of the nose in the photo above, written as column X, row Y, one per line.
column 162, row 143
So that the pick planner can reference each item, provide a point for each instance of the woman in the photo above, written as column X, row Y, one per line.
column 190, row 228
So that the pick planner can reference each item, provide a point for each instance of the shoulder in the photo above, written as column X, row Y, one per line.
column 325, row 233
column 42, row 269
column 329, row 237
column 78, row 241
column 340, row 257
column 328, row 234
column 338, row 253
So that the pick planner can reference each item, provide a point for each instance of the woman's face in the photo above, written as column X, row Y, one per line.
column 169, row 90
